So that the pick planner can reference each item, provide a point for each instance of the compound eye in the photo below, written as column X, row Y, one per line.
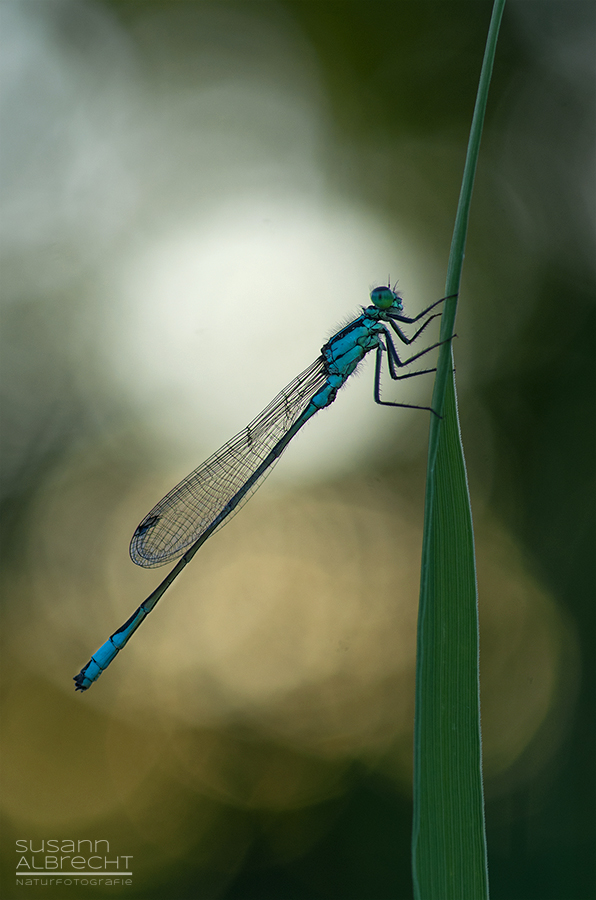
column 382, row 297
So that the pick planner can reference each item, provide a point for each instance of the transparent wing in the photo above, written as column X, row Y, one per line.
column 192, row 506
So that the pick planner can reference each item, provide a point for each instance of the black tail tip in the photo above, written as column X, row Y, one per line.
column 79, row 682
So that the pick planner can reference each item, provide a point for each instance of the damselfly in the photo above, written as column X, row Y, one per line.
column 206, row 499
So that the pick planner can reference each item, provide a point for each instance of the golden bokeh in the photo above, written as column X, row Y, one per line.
column 282, row 655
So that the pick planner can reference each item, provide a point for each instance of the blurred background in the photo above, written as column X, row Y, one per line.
column 194, row 197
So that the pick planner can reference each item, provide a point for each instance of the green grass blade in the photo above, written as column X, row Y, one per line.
column 448, row 843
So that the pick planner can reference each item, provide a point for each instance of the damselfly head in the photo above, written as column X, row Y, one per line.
column 386, row 298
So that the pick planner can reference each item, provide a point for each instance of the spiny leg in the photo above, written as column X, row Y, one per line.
column 403, row 337
column 394, row 359
column 409, row 321
column 377, row 389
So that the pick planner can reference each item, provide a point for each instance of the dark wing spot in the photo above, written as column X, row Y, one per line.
column 149, row 522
